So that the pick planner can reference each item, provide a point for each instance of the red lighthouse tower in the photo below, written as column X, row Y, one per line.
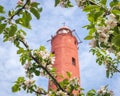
column 65, row 47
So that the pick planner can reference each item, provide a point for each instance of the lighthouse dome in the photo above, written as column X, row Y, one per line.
column 64, row 29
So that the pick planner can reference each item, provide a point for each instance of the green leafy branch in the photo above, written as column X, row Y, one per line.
column 104, row 58
column 40, row 65
column 19, row 10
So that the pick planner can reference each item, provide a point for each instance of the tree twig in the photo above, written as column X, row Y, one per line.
column 43, row 93
column 40, row 65
column 116, row 69
column 18, row 11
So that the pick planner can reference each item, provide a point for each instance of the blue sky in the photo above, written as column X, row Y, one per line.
column 92, row 75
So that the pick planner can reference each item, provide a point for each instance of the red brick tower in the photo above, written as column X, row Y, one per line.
column 65, row 47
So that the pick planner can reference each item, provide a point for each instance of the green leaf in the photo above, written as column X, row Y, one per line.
column 107, row 73
column 92, row 30
column 91, row 17
column 20, row 80
column 88, row 37
column 68, row 4
column 98, row 14
column 2, row 27
column 114, row 3
column 116, row 40
column 42, row 48
column 1, row 18
column 24, row 57
column 90, row 8
column 116, row 12
column 22, row 31
column 57, row 2
column 2, row 9
column 90, row 26
column 35, row 4
column 35, row 12
column 40, row 9
column 12, row 30
column 65, row 81
column 11, row 13
column 15, row 88
column 68, row 74
column 103, row 2
column 17, row 43
column 25, row 20
column 91, row 93
column 53, row 70
column 21, row 50
column 37, row 73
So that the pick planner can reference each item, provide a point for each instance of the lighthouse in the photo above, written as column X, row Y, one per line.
column 64, row 46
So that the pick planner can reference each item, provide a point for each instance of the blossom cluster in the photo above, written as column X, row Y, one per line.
column 103, row 91
column 93, row 43
column 46, row 58
column 27, row 66
column 56, row 93
column 19, row 35
column 29, row 83
column 61, row 93
column 105, row 31
column 74, row 82
column 20, row 2
column 11, row 39
column 81, row 3
column 118, row 54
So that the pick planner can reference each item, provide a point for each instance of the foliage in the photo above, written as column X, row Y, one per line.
column 104, row 33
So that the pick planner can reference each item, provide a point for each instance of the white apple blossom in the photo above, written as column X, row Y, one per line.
column 102, row 29
column 27, row 7
column 28, row 65
column 111, row 93
column 74, row 81
column 52, row 60
column 44, row 54
column 49, row 67
column 28, row 74
column 61, row 93
column 118, row 54
column 20, row 2
column 103, row 37
column 111, row 22
column 22, row 35
column 11, row 39
column 103, row 91
column 80, row 3
column 93, row 43
column 112, row 16
column 110, row 50
column 41, row 72
column 29, row 83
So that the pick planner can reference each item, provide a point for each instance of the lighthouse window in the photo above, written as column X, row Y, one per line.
column 75, row 42
column 53, row 52
column 73, row 61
